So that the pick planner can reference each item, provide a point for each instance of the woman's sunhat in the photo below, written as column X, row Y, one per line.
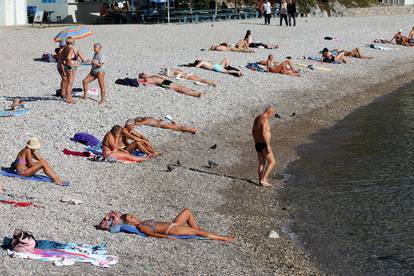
column 33, row 143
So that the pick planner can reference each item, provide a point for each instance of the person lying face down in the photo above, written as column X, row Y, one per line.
column 225, row 47
column 168, row 84
column 132, row 140
column 166, row 123
column 184, row 224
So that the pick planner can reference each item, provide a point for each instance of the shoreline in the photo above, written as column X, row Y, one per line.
column 224, row 117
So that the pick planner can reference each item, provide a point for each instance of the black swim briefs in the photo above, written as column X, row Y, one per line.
column 260, row 146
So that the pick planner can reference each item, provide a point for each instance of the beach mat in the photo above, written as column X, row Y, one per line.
column 14, row 113
column 130, row 229
column 255, row 67
column 38, row 178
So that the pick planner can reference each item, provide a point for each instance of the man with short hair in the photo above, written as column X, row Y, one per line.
column 262, row 138
column 139, row 141
column 267, row 11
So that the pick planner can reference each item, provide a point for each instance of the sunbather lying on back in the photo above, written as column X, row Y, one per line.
column 355, row 53
column 131, row 140
column 180, row 74
column 167, row 84
column 184, row 224
column 222, row 67
column 166, row 123
column 225, row 47
column 285, row 68
column 327, row 56
column 25, row 166
column 111, row 148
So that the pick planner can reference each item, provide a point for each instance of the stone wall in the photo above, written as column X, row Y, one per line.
column 380, row 10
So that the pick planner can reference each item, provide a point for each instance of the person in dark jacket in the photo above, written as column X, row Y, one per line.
column 291, row 10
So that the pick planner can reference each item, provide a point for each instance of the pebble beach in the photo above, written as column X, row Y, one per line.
column 223, row 117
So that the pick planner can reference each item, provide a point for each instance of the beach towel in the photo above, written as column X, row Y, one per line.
column 62, row 254
column 313, row 67
column 130, row 229
column 77, row 153
column 14, row 113
column 379, row 47
column 86, row 139
column 5, row 200
column 128, row 82
column 319, row 60
column 38, row 178
column 255, row 67
column 97, row 150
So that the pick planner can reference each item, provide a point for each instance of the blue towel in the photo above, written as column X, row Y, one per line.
column 255, row 67
column 130, row 229
column 70, row 246
column 14, row 113
column 39, row 178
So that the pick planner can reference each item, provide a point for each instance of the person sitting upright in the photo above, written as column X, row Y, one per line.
column 166, row 123
column 25, row 166
column 401, row 39
column 139, row 141
column 167, row 84
column 284, row 68
column 111, row 148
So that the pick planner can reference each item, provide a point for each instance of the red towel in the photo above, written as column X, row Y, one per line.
column 77, row 153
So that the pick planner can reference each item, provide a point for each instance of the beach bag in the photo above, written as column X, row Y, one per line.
column 86, row 139
column 110, row 219
column 22, row 241
column 128, row 82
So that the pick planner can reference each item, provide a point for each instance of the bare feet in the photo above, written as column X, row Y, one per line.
column 60, row 182
column 265, row 183
column 101, row 103
column 16, row 103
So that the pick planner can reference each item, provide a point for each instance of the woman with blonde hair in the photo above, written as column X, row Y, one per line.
column 71, row 62
column 25, row 166
column 283, row 12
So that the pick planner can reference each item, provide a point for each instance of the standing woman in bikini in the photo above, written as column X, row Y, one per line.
column 61, row 56
column 184, row 224
column 111, row 148
column 25, row 166
column 71, row 63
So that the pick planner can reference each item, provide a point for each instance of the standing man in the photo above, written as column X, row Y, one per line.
column 262, row 138
column 267, row 12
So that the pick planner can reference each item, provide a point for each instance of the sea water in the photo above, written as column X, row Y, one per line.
column 351, row 196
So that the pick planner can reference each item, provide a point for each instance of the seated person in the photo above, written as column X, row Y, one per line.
column 225, row 47
column 25, row 166
column 167, row 84
column 247, row 42
column 111, row 148
column 125, row 7
column 139, row 141
column 285, row 68
column 327, row 56
column 104, row 11
column 180, row 74
column 222, row 67
column 401, row 39
column 184, row 224
column 166, row 123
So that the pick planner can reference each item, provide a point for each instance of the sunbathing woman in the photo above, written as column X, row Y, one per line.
column 71, row 57
column 132, row 140
column 111, row 148
column 167, row 84
column 285, row 68
column 180, row 74
column 401, row 39
column 166, row 123
column 25, row 166
column 222, row 67
column 327, row 56
column 355, row 53
column 184, row 224
column 225, row 47
column 248, row 42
